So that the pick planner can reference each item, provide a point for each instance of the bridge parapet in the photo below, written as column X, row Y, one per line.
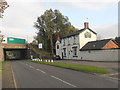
column 13, row 46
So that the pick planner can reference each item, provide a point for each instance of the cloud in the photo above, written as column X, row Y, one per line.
column 19, row 19
column 18, row 33
column 83, row 4
column 78, row 0
column 106, row 31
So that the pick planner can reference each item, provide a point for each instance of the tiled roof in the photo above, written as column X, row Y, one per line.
column 95, row 45
column 77, row 32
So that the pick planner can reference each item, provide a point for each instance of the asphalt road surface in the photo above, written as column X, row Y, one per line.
column 34, row 75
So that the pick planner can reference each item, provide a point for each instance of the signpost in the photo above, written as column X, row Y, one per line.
column 40, row 47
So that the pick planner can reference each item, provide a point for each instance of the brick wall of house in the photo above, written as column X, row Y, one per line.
column 110, row 45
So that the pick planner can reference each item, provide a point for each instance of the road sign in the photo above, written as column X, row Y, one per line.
column 40, row 45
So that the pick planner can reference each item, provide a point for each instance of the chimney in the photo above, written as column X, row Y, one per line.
column 58, row 38
column 86, row 25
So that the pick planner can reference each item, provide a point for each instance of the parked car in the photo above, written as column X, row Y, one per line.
column 57, row 57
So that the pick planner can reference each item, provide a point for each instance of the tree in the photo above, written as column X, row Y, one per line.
column 3, row 6
column 49, row 26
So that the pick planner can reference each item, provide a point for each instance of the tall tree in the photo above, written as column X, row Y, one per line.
column 50, row 25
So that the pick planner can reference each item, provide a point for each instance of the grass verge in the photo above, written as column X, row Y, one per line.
column 85, row 68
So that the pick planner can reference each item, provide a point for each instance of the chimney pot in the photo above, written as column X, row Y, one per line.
column 86, row 25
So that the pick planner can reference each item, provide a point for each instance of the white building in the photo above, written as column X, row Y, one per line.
column 82, row 45
column 68, row 47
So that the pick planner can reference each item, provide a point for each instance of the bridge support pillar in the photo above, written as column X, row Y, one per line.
column 1, row 53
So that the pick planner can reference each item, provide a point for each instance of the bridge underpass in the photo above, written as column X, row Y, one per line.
column 14, row 52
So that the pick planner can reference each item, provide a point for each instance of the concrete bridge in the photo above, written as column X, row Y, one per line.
column 18, row 49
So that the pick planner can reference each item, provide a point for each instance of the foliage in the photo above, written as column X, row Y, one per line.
column 49, row 26
column 85, row 68
column 44, row 54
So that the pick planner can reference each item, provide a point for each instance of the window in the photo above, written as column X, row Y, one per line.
column 74, row 51
column 87, row 35
column 57, row 46
column 64, row 42
column 64, row 51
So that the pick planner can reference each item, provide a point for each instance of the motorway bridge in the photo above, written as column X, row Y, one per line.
column 14, row 51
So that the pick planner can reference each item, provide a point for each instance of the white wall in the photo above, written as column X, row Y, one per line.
column 99, row 55
column 84, row 40
column 69, row 43
column 58, row 51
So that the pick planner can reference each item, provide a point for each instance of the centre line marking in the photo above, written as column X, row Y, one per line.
column 40, row 70
column 31, row 66
column 63, row 81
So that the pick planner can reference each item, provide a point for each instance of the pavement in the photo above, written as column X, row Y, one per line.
column 7, row 76
column 34, row 75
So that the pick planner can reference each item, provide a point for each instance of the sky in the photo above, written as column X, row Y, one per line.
column 19, row 18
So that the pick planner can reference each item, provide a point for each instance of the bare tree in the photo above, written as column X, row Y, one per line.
column 3, row 6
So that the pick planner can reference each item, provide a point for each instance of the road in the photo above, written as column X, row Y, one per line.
column 34, row 75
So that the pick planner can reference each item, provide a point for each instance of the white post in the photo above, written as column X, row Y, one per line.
column 48, row 60
column 51, row 60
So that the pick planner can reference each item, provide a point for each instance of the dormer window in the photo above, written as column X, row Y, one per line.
column 87, row 35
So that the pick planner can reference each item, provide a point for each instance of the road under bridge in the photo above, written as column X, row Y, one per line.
column 14, row 51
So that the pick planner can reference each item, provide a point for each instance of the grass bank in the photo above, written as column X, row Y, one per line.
column 85, row 68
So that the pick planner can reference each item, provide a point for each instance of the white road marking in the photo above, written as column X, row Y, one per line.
column 63, row 81
column 40, row 70
column 31, row 66
column 14, row 80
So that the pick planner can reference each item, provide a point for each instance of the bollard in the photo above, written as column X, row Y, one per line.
column 51, row 60
column 48, row 60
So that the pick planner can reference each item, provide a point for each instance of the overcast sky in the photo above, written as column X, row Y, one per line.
column 19, row 18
